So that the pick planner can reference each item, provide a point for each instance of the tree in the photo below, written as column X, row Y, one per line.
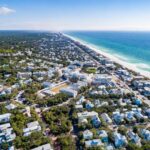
column 122, row 130
column 3, row 110
column 66, row 142
column 4, row 146
column 132, row 146
column 135, row 129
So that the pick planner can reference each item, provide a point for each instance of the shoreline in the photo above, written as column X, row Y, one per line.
column 130, row 67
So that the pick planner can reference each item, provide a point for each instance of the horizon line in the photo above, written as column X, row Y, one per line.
column 74, row 30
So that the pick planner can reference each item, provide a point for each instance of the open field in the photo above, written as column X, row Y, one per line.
column 57, row 88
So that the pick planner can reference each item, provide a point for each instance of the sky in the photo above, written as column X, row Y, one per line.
column 75, row 15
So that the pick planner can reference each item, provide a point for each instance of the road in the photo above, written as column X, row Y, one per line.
column 58, row 105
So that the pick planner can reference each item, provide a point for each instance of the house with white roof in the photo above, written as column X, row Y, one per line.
column 147, row 112
column 103, row 135
column 40, row 73
column 101, row 79
column 145, row 134
column 93, row 143
column 85, row 115
column 146, row 91
column 79, row 107
column 96, row 121
column 89, row 105
column 134, row 137
column 10, row 106
column 22, row 75
column 106, row 118
column 43, row 147
column 5, row 117
column 119, row 140
column 118, row 117
column 6, row 134
column 31, row 127
column 129, row 116
column 87, row 134
column 81, row 100
column 69, row 92
column 77, row 86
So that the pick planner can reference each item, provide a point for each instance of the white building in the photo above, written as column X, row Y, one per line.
column 69, row 92
column 31, row 127
column 6, row 133
column 101, row 79
column 86, row 114
column 10, row 106
column 93, row 143
column 5, row 118
column 24, row 75
column 87, row 134
column 43, row 147
column 106, row 118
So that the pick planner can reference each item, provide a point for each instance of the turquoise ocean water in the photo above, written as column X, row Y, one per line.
column 131, row 47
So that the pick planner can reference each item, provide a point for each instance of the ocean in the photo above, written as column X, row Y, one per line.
column 129, row 48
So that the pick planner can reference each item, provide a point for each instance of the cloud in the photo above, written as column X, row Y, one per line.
column 6, row 11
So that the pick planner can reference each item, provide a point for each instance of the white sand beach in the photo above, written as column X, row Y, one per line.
column 124, row 63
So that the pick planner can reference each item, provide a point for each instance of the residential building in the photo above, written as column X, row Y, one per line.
column 89, row 105
column 10, row 106
column 103, row 136
column 5, row 117
column 119, row 140
column 134, row 138
column 43, row 147
column 106, row 118
column 6, row 134
column 31, row 127
column 93, row 143
column 87, row 135
column 145, row 134
column 86, row 114
column 69, row 92
column 118, row 117
column 96, row 121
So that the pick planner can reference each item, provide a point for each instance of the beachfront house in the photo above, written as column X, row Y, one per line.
column 124, row 74
column 87, row 135
column 31, row 127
